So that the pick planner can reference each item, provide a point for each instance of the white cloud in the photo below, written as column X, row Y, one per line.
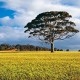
column 2, row 35
column 26, row 10
column 12, row 33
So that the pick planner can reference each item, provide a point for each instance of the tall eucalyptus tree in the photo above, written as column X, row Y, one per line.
column 51, row 26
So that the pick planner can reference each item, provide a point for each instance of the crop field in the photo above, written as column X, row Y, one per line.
column 40, row 65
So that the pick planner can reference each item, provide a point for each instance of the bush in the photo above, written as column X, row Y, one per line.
column 67, row 49
column 79, row 50
column 61, row 49
column 55, row 49
column 58, row 50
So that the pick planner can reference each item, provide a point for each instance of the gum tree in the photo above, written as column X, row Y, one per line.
column 51, row 26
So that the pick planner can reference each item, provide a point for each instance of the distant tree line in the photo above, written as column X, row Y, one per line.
column 19, row 47
column 27, row 47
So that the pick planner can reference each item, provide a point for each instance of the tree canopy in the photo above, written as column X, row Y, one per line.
column 50, row 26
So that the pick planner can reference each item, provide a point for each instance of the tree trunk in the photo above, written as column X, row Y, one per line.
column 52, row 47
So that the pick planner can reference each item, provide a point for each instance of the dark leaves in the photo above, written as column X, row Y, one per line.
column 53, row 22
column 71, row 29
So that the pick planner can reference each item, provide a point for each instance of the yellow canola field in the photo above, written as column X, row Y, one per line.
column 40, row 65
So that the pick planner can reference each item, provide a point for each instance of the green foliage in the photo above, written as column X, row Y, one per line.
column 52, row 25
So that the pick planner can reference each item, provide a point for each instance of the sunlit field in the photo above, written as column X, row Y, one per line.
column 39, row 65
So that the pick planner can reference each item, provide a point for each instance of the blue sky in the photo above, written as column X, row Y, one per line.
column 15, row 14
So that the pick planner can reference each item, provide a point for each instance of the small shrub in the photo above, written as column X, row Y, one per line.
column 67, row 49
column 58, row 50
column 79, row 50
column 61, row 49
